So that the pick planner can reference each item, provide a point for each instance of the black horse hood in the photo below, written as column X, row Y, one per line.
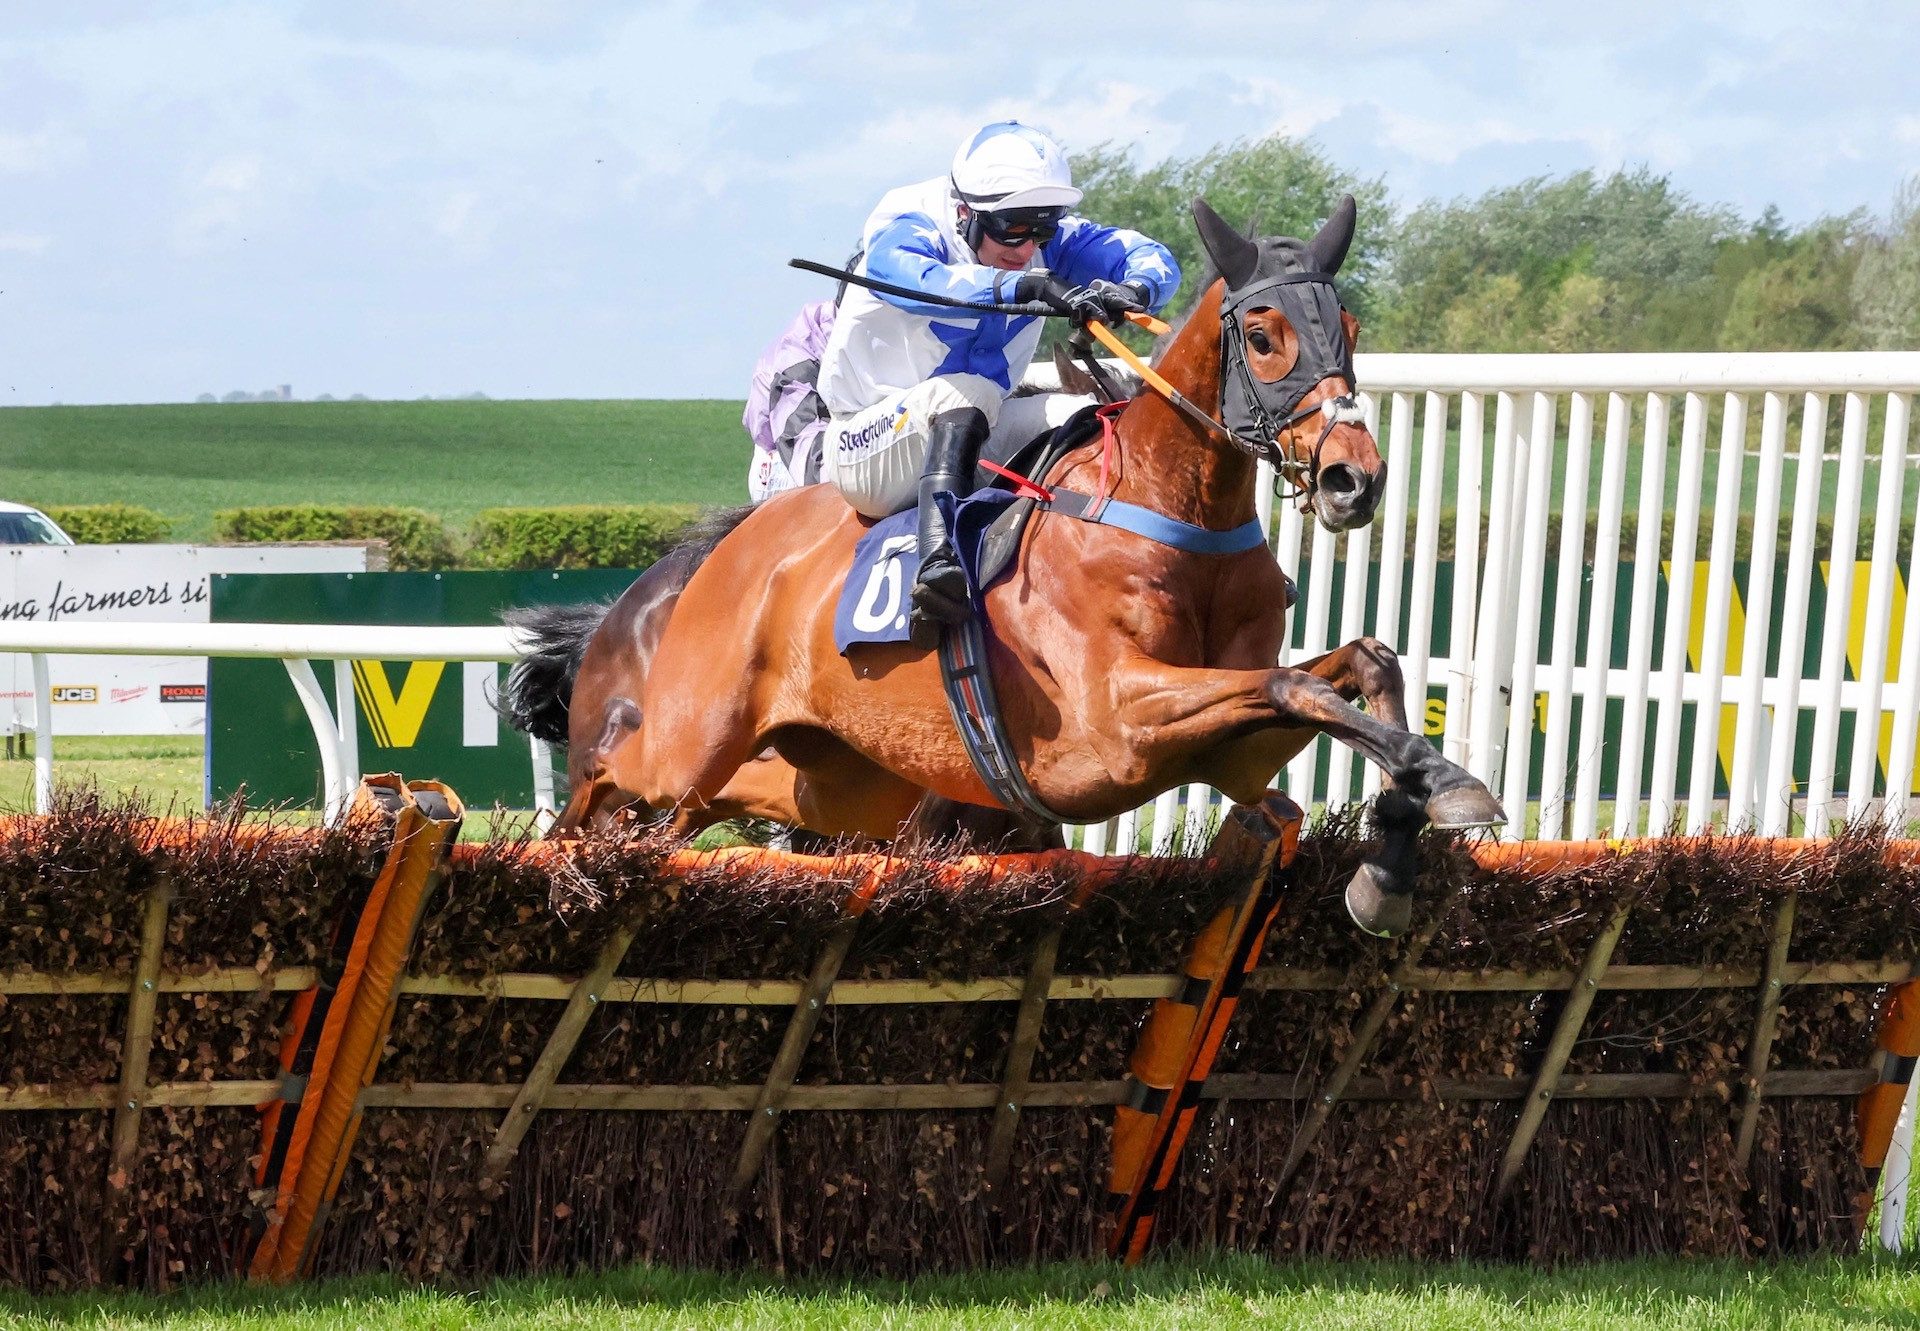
column 1296, row 278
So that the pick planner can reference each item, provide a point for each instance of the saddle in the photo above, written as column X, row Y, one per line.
column 1030, row 461
column 872, row 604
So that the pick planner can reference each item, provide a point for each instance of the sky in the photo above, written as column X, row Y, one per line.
column 579, row 198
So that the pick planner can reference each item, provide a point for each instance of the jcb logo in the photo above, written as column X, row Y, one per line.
column 395, row 718
column 76, row 693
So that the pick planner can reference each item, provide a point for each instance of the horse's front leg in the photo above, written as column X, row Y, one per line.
column 1449, row 795
column 1380, row 896
column 1365, row 670
column 1170, row 717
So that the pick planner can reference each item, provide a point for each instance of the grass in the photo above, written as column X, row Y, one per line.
column 1210, row 1292
column 451, row 458
column 164, row 769
column 456, row 458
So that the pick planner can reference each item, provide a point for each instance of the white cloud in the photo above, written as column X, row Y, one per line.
column 1432, row 139
column 437, row 195
column 43, row 150
column 465, row 221
column 229, row 196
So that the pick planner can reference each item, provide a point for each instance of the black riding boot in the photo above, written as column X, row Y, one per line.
column 940, row 592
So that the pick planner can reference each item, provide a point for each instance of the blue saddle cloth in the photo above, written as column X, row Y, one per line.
column 875, row 599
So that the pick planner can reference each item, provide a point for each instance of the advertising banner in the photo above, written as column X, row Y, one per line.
column 129, row 695
column 419, row 718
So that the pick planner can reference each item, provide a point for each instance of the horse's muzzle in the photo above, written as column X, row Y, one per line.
column 1345, row 497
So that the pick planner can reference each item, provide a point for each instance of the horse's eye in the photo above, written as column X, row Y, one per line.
column 1257, row 339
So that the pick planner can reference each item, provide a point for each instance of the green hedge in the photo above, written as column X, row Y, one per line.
column 415, row 539
column 110, row 524
column 581, row 536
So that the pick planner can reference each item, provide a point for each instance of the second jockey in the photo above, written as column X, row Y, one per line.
column 915, row 388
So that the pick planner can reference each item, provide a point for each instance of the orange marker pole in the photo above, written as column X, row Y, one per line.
column 1897, row 1051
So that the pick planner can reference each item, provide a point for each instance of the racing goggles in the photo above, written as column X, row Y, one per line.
column 1017, row 226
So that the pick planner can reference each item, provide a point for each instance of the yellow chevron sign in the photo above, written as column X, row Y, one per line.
column 395, row 719
column 1856, row 644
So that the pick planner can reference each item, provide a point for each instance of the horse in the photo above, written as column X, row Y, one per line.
column 712, row 688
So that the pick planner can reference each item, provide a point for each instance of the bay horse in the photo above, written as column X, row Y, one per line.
column 712, row 688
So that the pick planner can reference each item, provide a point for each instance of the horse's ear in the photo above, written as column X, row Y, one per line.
column 1073, row 379
column 1232, row 253
column 1329, row 246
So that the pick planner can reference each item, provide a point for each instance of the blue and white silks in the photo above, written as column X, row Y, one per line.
column 882, row 345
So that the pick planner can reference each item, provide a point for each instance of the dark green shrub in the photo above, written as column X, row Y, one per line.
column 415, row 539
column 579, row 536
column 110, row 524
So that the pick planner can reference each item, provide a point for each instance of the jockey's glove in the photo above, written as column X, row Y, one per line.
column 1102, row 300
column 1121, row 298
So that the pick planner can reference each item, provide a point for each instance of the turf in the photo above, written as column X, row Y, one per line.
column 456, row 458
column 1212, row 1292
column 450, row 458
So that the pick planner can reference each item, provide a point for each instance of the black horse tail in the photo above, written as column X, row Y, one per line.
column 540, row 685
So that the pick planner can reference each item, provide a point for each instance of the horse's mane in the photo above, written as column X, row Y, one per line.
column 698, row 538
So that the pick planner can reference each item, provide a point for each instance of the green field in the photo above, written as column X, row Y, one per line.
column 450, row 458
column 1211, row 1292
column 456, row 458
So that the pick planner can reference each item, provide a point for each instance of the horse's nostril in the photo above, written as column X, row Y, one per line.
column 1341, row 481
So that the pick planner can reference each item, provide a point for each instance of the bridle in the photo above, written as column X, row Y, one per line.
column 1255, row 415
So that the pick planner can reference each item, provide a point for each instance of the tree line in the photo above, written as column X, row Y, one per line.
column 1583, row 262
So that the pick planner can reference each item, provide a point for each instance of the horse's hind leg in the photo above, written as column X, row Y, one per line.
column 592, row 796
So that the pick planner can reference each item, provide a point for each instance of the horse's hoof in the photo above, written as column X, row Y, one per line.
column 1465, row 807
column 1378, row 904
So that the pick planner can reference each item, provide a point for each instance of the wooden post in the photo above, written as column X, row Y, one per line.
column 1026, row 1038
column 793, row 1045
column 558, row 1049
column 1363, row 1037
column 143, row 997
column 142, row 1000
column 1766, row 1021
column 1565, row 1032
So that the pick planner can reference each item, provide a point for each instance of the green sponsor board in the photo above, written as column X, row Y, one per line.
column 418, row 718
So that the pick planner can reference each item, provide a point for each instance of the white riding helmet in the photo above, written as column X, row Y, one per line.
column 1010, row 165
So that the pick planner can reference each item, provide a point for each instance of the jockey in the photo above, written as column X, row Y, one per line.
column 915, row 388
column 784, row 415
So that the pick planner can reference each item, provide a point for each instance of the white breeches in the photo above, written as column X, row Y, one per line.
column 874, row 456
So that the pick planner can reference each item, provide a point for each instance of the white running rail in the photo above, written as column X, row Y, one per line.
column 296, row 646
column 1799, row 653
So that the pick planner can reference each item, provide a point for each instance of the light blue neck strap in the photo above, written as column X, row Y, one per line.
column 1158, row 526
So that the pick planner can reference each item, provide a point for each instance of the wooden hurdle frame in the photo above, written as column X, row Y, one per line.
column 1029, row 994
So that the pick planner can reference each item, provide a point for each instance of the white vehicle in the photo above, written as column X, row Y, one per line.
column 21, row 525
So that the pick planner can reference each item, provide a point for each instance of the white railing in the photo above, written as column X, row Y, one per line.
column 1565, row 433
column 296, row 646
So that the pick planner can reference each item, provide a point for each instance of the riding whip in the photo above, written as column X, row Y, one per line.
column 1031, row 309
